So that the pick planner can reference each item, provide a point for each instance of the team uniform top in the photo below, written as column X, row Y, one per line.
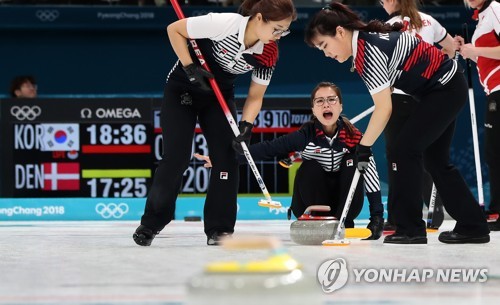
column 312, row 141
column 487, row 35
column 220, row 38
column 431, row 31
column 400, row 60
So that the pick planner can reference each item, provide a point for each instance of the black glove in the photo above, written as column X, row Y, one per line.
column 245, row 135
column 363, row 154
column 196, row 76
column 286, row 163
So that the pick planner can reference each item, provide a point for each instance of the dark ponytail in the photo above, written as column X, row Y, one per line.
column 271, row 10
column 326, row 21
column 246, row 6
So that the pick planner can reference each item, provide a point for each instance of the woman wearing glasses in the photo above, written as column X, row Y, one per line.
column 232, row 44
column 386, row 58
column 327, row 145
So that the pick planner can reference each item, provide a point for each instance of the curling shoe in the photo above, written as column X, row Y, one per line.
column 451, row 237
column 143, row 236
column 389, row 226
column 215, row 238
column 491, row 215
column 376, row 225
column 403, row 239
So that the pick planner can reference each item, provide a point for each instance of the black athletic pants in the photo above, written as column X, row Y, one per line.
column 403, row 106
column 426, row 137
column 178, row 121
column 492, row 148
column 314, row 186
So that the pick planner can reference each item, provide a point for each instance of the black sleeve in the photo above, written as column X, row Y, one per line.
column 295, row 141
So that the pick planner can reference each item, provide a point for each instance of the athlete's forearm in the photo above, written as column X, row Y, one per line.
column 251, row 110
column 491, row 52
column 177, row 34
column 379, row 118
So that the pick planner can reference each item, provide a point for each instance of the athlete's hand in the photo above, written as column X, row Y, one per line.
column 288, row 162
column 469, row 51
column 208, row 163
column 458, row 42
column 363, row 154
column 198, row 76
column 245, row 135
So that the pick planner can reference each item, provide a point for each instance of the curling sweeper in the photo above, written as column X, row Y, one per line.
column 338, row 239
column 278, row 279
column 267, row 202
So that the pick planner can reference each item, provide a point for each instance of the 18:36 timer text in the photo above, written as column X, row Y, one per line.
column 125, row 134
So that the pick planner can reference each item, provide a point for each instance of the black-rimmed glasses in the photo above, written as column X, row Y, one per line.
column 281, row 33
column 320, row 101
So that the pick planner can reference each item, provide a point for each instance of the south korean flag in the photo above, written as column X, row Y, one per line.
column 60, row 137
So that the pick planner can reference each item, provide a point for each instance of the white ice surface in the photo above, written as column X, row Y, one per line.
column 98, row 263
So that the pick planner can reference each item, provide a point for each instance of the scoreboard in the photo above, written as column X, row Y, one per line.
column 109, row 148
column 75, row 148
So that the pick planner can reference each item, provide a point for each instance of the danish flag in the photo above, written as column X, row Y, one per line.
column 61, row 176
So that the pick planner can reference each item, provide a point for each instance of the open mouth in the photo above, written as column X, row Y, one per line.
column 327, row 115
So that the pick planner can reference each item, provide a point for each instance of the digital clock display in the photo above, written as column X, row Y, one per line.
column 118, row 187
column 110, row 148
column 124, row 134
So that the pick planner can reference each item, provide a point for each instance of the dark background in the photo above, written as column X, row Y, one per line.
column 123, row 52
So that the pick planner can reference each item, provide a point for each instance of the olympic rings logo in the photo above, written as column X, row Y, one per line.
column 111, row 210
column 25, row 112
column 47, row 15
